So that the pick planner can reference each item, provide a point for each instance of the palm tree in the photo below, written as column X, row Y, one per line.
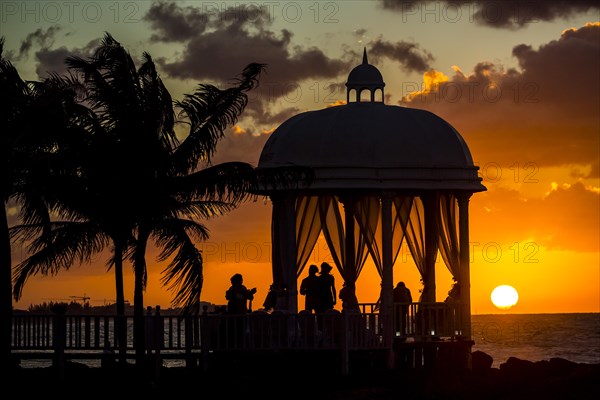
column 13, row 91
column 137, row 109
column 136, row 180
column 36, row 132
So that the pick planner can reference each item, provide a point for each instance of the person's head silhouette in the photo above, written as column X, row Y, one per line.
column 237, row 279
column 325, row 268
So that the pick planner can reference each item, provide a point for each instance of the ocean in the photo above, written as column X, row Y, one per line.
column 536, row 337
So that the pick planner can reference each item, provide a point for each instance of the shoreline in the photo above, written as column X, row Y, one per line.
column 555, row 378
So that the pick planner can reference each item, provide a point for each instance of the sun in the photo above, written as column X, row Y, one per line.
column 504, row 297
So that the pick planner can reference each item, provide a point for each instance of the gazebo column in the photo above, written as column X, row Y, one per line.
column 387, row 276
column 283, row 248
column 431, row 245
column 465, row 273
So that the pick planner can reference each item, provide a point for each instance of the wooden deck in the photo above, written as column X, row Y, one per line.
column 421, row 336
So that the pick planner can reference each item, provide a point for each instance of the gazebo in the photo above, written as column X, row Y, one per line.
column 383, row 174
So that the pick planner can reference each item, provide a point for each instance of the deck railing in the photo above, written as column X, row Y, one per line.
column 178, row 336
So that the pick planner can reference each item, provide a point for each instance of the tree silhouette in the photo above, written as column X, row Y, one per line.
column 137, row 180
column 37, row 127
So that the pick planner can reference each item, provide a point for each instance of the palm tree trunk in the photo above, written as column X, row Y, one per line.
column 139, row 267
column 121, row 322
column 5, row 291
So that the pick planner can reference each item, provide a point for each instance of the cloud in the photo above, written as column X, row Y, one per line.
column 262, row 113
column 48, row 59
column 174, row 24
column 44, row 39
column 506, row 14
column 566, row 218
column 53, row 60
column 219, row 44
column 241, row 143
column 544, row 112
column 409, row 55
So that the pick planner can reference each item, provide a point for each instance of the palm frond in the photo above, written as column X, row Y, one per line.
column 70, row 242
column 283, row 178
column 209, row 111
column 230, row 181
column 201, row 209
column 184, row 274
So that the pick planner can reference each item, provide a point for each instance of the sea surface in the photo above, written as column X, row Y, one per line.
column 536, row 337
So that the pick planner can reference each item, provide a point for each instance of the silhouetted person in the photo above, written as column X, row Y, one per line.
column 348, row 298
column 309, row 288
column 327, row 293
column 453, row 295
column 403, row 296
column 449, row 321
column 238, row 295
column 271, row 299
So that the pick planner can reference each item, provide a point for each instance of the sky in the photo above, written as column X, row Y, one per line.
column 519, row 80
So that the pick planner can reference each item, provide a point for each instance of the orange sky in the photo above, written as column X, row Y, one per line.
column 526, row 98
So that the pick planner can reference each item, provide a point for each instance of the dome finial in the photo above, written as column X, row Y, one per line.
column 364, row 77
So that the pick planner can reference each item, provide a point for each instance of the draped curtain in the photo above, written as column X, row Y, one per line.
column 401, row 215
column 449, row 244
column 334, row 232
column 368, row 216
column 308, row 228
column 315, row 214
column 415, row 238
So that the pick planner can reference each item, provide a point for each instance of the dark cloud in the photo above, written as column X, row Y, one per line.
column 262, row 114
column 241, row 143
column 173, row 23
column 40, row 37
column 508, row 14
column 409, row 55
column 553, row 101
column 53, row 60
column 360, row 32
column 219, row 44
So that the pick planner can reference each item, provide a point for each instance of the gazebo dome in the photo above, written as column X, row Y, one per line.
column 373, row 146
column 365, row 74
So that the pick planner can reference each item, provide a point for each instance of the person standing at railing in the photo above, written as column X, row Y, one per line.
column 271, row 299
column 327, row 292
column 348, row 298
column 449, row 322
column 238, row 296
column 402, row 300
column 309, row 288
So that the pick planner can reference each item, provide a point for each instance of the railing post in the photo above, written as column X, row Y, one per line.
column 59, row 339
column 87, row 332
column 189, row 339
column 345, row 344
column 204, row 339
column 158, row 340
